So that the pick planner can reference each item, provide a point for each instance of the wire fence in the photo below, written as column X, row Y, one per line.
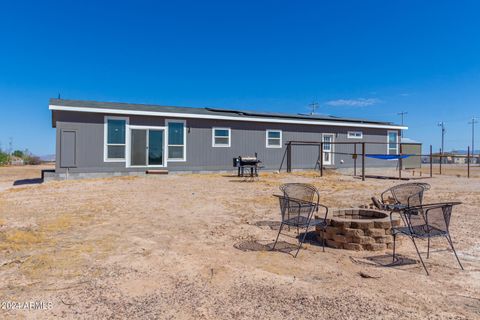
column 410, row 158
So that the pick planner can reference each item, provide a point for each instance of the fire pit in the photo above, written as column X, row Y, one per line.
column 359, row 229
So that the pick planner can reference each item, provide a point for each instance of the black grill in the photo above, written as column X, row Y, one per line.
column 249, row 162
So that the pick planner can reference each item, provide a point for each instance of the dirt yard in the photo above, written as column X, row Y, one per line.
column 165, row 247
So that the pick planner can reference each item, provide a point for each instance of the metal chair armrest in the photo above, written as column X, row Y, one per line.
column 326, row 209
column 382, row 195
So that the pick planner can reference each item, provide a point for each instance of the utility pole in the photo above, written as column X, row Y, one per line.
column 403, row 113
column 442, row 125
column 314, row 107
column 473, row 122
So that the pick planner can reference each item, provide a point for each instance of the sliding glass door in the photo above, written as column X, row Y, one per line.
column 147, row 147
column 138, row 149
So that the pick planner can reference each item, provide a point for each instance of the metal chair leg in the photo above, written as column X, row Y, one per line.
column 449, row 239
column 418, row 252
column 428, row 248
column 301, row 242
column 394, row 241
column 278, row 235
column 323, row 239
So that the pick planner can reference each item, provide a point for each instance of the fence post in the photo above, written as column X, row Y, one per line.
column 400, row 164
column 431, row 162
column 321, row 159
column 355, row 159
column 468, row 162
column 441, row 161
column 289, row 157
column 363, row 161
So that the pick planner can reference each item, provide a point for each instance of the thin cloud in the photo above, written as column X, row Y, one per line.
column 360, row 102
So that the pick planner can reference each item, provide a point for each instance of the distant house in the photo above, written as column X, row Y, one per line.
column 122, row 138
column 16, row 161
column 459, row 158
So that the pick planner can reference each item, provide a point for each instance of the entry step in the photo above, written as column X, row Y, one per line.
column 159, row 171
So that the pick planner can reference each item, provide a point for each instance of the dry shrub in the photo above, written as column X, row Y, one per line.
column 63, row 263
column 20, row 239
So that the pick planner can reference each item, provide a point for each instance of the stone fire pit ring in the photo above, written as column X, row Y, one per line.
column 359, row 229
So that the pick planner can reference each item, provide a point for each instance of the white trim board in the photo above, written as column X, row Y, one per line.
column 217, row 117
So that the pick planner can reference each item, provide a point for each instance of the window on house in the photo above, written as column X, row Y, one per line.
column 392, row 142
column 355, row 134
column 115, row 132
column 221, row 137
column 274, row 138
column 176, row 140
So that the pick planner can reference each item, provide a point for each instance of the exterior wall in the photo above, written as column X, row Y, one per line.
column 246, row 139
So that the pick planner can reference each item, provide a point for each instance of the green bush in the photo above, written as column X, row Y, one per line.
column 34, row 160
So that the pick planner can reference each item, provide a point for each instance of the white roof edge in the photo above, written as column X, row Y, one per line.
column 218, row 117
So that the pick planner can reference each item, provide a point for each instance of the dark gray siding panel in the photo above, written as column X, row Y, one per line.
column 246, row 139
column 68, row 148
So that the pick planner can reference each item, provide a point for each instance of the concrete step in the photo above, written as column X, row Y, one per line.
column 158, row 171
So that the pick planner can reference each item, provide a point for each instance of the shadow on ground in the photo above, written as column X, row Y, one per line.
column 257, row 245
column 27, row 181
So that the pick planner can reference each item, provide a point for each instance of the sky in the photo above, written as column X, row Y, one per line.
column 369, row 59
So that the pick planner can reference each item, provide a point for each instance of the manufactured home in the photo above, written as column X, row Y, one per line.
column 105, row 138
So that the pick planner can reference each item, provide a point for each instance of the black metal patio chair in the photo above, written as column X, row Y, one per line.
column 426, row 221
column 401, row 195
column 298, row 204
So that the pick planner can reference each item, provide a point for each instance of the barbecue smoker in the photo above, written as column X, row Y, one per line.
column 243, row 163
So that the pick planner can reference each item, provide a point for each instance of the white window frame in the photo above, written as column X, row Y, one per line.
column 388, row 141
column 266, row 138
column 353, row 135
column 214, row 145
column 167, row 121
column 331, row 152
column 105, row 138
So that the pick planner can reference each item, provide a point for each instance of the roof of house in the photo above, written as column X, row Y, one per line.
column 212, row 113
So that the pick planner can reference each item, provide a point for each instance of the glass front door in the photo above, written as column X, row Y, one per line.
column 147, row 147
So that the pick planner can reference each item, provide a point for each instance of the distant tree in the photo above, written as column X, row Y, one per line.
column 18, row 153
column 4, row 158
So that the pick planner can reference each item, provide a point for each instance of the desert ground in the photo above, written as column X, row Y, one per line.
column 167, row 247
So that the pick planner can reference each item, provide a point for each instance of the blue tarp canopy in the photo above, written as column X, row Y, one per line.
column 388, row 156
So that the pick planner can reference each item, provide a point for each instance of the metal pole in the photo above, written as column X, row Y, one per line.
column 468, row 162
column 431, row 162
column 289, row 157
column 355, row 159
column 473, row 122
column 321, row 159
column 442, row 125
column 363, row 161
column 441, row 160
column 400, row 164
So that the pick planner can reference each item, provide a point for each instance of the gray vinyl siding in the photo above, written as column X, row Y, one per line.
column 246, row 139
